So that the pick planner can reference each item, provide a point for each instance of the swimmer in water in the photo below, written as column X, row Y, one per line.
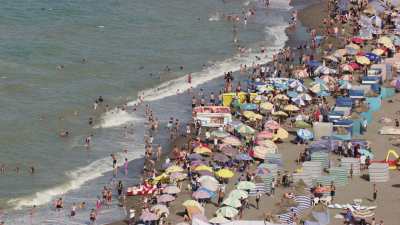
column 64, row 133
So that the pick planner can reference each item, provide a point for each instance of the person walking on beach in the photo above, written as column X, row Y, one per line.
column 120, row 188
column 73, row 210
column 375, row 193
column 32, row 213
column 258, row 196
column 92, row 217
column 126, row 166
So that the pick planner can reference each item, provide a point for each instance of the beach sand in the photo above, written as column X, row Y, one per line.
column 388, row 200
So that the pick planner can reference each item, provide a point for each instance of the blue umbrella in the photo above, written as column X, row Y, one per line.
column 211, row 193
column 281, row 86
column 248, row 106
column 195, row 156
column 305, row 134
column 244, row 157
column 372, row 57
column 292, row 94
column 323, row 94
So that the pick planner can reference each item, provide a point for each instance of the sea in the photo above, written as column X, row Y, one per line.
column 58, row 57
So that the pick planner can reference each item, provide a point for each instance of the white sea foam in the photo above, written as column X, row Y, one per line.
column 115, row 118
column 215, row 17
column 77, row 178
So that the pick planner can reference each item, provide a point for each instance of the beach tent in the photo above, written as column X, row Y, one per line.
column 322, row 129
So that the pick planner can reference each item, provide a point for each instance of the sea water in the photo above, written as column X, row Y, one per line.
column 46, row 86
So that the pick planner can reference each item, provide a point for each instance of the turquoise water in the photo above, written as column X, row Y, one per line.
column 127, row 45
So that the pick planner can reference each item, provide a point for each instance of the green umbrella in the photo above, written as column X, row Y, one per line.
column 233, row 202
column 238, row 194
column 245, row 185
column 245, row 130
column 219, row 134
column 227, row 211
column 302, row 124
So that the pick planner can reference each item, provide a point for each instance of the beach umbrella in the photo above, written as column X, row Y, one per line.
column 266, row 106
column 331, row 58
column 281, row 134
column 245, row 185
column 357, row 40
column 305, row 96
column 372, row 57
column 178, row 176
column 329, row 79
column 386, row 41
column 319, row 87
column 340, row 53
column 298, row 101
column 245, row 130
column 224, row 173
column 227, row 211
column 219, row 220
column 148, row 216
column 197, row 163
column 233, row 202
column 280, row 114
column 292, row 94
column 291, row 108
column 229, row 150
column 201, row 194
column 248, row 106
column 352, row 49
column 190, row 202
column 323, row 94
column 219, row 134
column 324, row 70
column 231, row 140
column 203, row 168
column 174, row 169
column 305, row 134
column 268, row 144
column 362, row 60
column 207, row 179
column 161, row 177
column 347, row 68
column 243, row 156
column 220, row 157
column 355, row 66
column 160, row 209
column 302, row 124
column 272, row 125
column 261, row 171
column 171, row 190
column 202, row 150
column 165, row 198
column 238, row 194
column 302, row 73
column 251, row 115
column 295, row 83
column 378, row 51
column 210, row 184
column 193, row 210
column 281, row 97
column 264, row 135
column 195, row 156
column 261, row 152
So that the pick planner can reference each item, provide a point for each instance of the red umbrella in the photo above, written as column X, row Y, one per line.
column 354, row 65
column 265, row 135
column 271, row 124
column 357, row 40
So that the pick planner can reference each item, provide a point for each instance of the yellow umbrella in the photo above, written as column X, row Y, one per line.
column 194, row 203
column 378, row 51
column 281, row 97
column 266, row 106
column 386, row 41
column 363, row 60
column 202, row 150
column 161, row 177
column 280, row 113
column 280, row 134
column 174, row 169
column 291, row 108
column 353, row 46
column 224, row 173
column 252, row 115
column 340, row 52
column 204, row 168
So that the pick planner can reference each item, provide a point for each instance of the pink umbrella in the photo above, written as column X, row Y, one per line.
column 148, row 216
column 271, row 124
column 229, row 150
column 165, row 198
column 201, row 195
column 264, row 135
